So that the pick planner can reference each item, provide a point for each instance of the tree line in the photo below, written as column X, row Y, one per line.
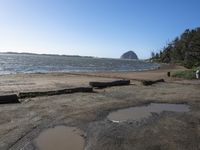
column 183, row 50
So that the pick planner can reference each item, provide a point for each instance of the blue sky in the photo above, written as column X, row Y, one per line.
column 102, row 28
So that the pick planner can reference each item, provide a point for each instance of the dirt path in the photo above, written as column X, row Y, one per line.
column 21, row 123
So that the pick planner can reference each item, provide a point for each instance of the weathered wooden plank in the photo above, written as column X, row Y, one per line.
column 108, row 84
column 23, row 95
column 5, row 99
column 150, row 82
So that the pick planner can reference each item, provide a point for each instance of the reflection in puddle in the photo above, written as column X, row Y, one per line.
column 139, row 113
column 60, row 138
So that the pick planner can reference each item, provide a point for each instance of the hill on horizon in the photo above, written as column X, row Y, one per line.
column 129, row 55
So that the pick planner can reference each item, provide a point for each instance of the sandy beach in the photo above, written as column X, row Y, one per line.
column 21, row 123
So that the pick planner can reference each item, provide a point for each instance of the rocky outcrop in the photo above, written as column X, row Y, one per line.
column 129, row 55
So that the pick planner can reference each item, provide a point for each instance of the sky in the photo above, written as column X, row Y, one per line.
column 100, row 28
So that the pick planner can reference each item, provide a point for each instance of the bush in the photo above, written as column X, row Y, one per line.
column 187, row 74
column 196, row 68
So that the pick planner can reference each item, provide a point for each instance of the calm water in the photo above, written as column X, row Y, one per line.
column 26, row 63
column 141, row 112
column 60, row 138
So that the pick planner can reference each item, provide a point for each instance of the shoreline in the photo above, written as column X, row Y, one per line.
column 74, row 72
column 162, row 67
column 35, row 82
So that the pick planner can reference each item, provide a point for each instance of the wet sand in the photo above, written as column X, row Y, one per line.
column 21, row 123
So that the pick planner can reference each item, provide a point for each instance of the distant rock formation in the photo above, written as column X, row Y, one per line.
column 129, row 55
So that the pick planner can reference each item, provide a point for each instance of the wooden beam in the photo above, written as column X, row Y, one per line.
column 23, row 95
column 150, row 82
column 108, row 84
column 5, row 99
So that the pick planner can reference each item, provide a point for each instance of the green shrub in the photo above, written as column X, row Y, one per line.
column 196, row 68
column 187, row 74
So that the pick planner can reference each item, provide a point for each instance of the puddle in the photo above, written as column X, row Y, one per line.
column 60, row 138
column 139, row 113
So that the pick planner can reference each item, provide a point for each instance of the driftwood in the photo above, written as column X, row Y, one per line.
column 4, row 99
column 168, row 74
column 23, row 95
column 150, row 82
column 108, row 84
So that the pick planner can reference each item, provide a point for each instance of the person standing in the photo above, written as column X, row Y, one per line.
column 197, row 74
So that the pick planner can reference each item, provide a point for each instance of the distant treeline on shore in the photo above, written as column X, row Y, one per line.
column 183, row 50
column 24, row 53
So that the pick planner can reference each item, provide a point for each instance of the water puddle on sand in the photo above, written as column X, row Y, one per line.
column 139, row 113
column 60, row 138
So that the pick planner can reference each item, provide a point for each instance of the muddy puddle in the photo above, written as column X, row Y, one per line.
column 142, row 112
column 60, row 138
